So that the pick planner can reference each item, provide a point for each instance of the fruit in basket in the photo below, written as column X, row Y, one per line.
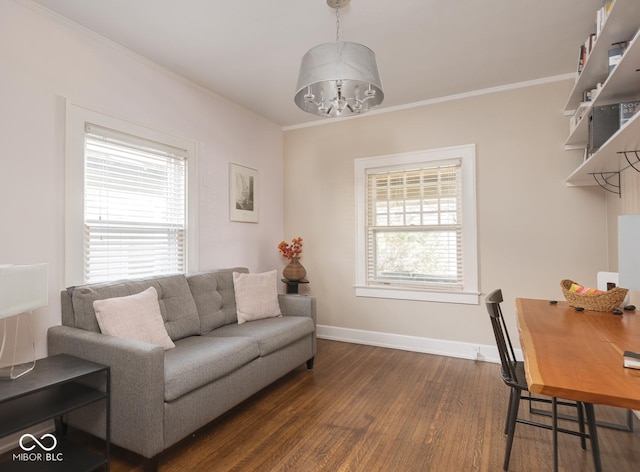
column 582, row 290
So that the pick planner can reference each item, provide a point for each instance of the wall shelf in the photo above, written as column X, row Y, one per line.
column 621, row 25
column 608, row 158
column 623, row 84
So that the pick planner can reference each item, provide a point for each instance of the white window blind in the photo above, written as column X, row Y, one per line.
column 414, row 228
column 135, row 213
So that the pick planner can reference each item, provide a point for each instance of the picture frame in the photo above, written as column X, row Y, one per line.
column 243, row 194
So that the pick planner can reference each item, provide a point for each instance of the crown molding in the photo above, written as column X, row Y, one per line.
column 448, row 98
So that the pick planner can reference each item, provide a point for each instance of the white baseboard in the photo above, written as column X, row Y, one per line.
column 441, row 347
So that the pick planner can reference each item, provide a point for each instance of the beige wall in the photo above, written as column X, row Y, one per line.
column 533, row 229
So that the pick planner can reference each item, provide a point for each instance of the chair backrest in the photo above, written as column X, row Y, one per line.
column 503, row 341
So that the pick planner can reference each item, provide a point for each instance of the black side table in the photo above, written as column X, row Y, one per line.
column 49, row 391
column 292, row 285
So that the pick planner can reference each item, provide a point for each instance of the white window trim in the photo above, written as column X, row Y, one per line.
column 76, row 117
column 467, row 155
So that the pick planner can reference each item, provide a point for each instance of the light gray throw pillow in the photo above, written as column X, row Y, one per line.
column 133, row 317
column 256, row 296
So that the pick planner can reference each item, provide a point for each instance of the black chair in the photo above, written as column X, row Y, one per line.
column 513, row 375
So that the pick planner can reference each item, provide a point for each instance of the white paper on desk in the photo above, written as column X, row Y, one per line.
column 609, row 277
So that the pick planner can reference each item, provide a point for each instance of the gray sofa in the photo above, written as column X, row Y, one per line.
column 159, row 397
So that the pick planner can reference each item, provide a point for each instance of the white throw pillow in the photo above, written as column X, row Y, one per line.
column 256, row 295
column 133, row 317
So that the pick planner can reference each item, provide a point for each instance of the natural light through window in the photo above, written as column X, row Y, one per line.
column 135, row 206
column 130, row 200
column 416, row 215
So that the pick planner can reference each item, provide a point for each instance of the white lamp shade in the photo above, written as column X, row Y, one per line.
column 22, row 288
column 629, row 251
column 351, row 64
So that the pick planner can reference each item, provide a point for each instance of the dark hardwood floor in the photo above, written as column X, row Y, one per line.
column 373, row 409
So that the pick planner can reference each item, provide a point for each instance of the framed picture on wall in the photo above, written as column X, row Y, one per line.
column 243, row 194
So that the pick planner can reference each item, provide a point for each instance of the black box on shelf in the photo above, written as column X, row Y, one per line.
column 604, row 121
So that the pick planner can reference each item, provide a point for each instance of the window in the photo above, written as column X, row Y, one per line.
column 417, row 226
column 127, row 199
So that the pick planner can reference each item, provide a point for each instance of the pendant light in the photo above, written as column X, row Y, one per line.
column 339, row 78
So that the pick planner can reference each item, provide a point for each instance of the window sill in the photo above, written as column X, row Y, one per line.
column 467, row 298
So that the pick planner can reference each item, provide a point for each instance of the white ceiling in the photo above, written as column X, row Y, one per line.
column 249, row 50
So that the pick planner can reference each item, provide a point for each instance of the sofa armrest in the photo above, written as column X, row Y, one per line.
column 137, row 385
column 298, row 305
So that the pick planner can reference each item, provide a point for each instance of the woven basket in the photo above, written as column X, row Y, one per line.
column 606, row 301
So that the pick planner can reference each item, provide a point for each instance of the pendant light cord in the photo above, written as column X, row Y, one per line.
column 337, row 25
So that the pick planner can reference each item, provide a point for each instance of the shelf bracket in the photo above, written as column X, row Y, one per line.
column 633, row 161
column 610, row 181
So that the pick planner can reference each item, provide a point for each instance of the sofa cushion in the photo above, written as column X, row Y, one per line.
column 133, row 317
column 177, row 306
column 215, row 297
column 199, row 360
column 271, row 333
column 256, row 296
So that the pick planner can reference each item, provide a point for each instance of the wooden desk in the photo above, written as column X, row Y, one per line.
column 579, row 355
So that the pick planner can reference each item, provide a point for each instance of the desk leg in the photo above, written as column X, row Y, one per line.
column 554, row 428
column 583, row 441
column 593, row 434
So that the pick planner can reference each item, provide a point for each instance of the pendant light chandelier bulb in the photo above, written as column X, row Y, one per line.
column 339, row 78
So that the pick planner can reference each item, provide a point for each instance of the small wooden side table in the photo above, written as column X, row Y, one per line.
column 292, row 285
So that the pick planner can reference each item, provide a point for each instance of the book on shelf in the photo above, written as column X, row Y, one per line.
column 585, row 50
column 577, row 116
column 581, row 58
column 602, row 14
column 607, row 6
column 616, row 53
column 632, row 360
column 600, row 19
column 589, row 43
column 627, row 110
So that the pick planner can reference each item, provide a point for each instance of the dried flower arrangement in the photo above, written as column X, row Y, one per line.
column 290, row 250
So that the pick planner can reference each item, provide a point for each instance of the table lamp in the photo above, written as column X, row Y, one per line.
column 23, row 288
column 629, row 251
